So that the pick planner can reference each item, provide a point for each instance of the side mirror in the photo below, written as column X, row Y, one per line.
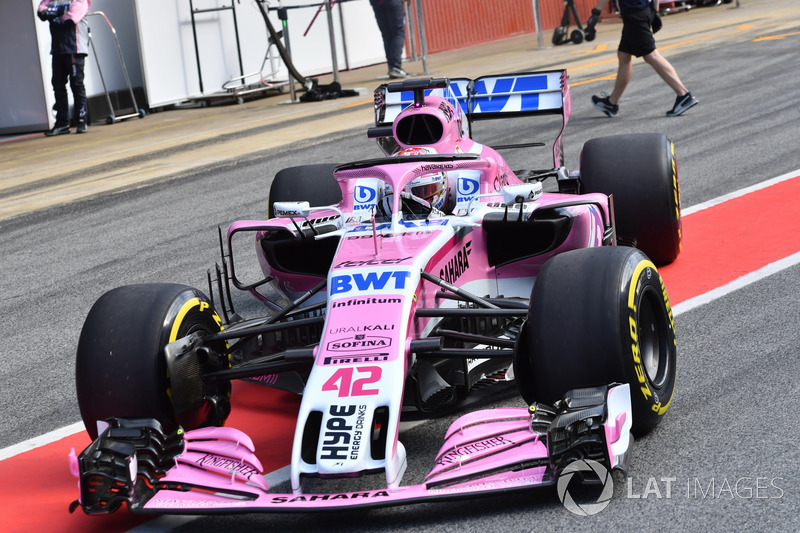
column 517, row 194
column 292, row 209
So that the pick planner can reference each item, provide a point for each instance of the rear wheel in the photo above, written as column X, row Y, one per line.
column 641, row 172
column 121, row 370
column 305, row 183
column 600, row 316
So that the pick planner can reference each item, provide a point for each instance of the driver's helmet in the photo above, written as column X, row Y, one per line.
column 430, row 187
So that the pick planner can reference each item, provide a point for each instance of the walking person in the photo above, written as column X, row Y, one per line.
column 391, row 18
column 640, row 21
column 69, row 33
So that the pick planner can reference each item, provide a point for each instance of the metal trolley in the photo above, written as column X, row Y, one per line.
column 112, row 116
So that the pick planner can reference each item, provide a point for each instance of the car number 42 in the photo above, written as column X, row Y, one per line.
column 342, row 381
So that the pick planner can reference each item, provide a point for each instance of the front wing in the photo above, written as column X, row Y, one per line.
column 215, row 470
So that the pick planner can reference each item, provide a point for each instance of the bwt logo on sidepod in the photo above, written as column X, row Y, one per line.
column 467, row 186
column 364, row 197
column 387, row 280
column 467, row 189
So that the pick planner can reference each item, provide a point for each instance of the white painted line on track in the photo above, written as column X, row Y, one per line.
column 741, row 192
column 738, row 283
column 40, row 441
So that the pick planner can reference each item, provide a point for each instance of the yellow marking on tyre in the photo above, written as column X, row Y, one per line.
column 645, row 263
column 176, row 325
column 658, row 408
column 637, row 361
column 675, row 186
column 194, row 302
column 632, row 329
column 661, row 409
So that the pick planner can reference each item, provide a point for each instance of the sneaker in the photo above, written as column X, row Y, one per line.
column 604, row 105
column 682, row 104
column 82, row 128
column 57, row 130
column 396, row 73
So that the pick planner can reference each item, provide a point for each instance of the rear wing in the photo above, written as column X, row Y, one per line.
column 485, row 98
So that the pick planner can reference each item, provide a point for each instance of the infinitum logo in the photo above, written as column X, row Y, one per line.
column 585, row 509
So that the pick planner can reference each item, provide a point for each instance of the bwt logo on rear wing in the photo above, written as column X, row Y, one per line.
column 526, row 93
column 520, row 94
column 491, row 97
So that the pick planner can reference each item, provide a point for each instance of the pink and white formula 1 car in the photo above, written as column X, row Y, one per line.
column 399, row 287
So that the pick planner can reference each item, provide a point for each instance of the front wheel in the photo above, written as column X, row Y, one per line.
column 600, row 316
column 640, row 171
column 121, row 369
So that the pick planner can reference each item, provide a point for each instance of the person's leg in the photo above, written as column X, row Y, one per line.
column 62, row 66
column 384, row 25
column 664, row 68
column 636, row 40
column 667, row 72
column 610, row 104
column 624, row 73
column 396, row 20
column 78, row 89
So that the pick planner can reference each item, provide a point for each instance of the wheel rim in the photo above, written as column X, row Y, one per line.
column 197, row 322
column 653, row 338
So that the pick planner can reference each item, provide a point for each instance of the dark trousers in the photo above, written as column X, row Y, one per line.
column 391, row 18
column 69, row 67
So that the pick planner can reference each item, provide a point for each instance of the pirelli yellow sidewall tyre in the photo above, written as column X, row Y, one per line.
column 121, row 369
column 600, row 316
column 641, row 172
